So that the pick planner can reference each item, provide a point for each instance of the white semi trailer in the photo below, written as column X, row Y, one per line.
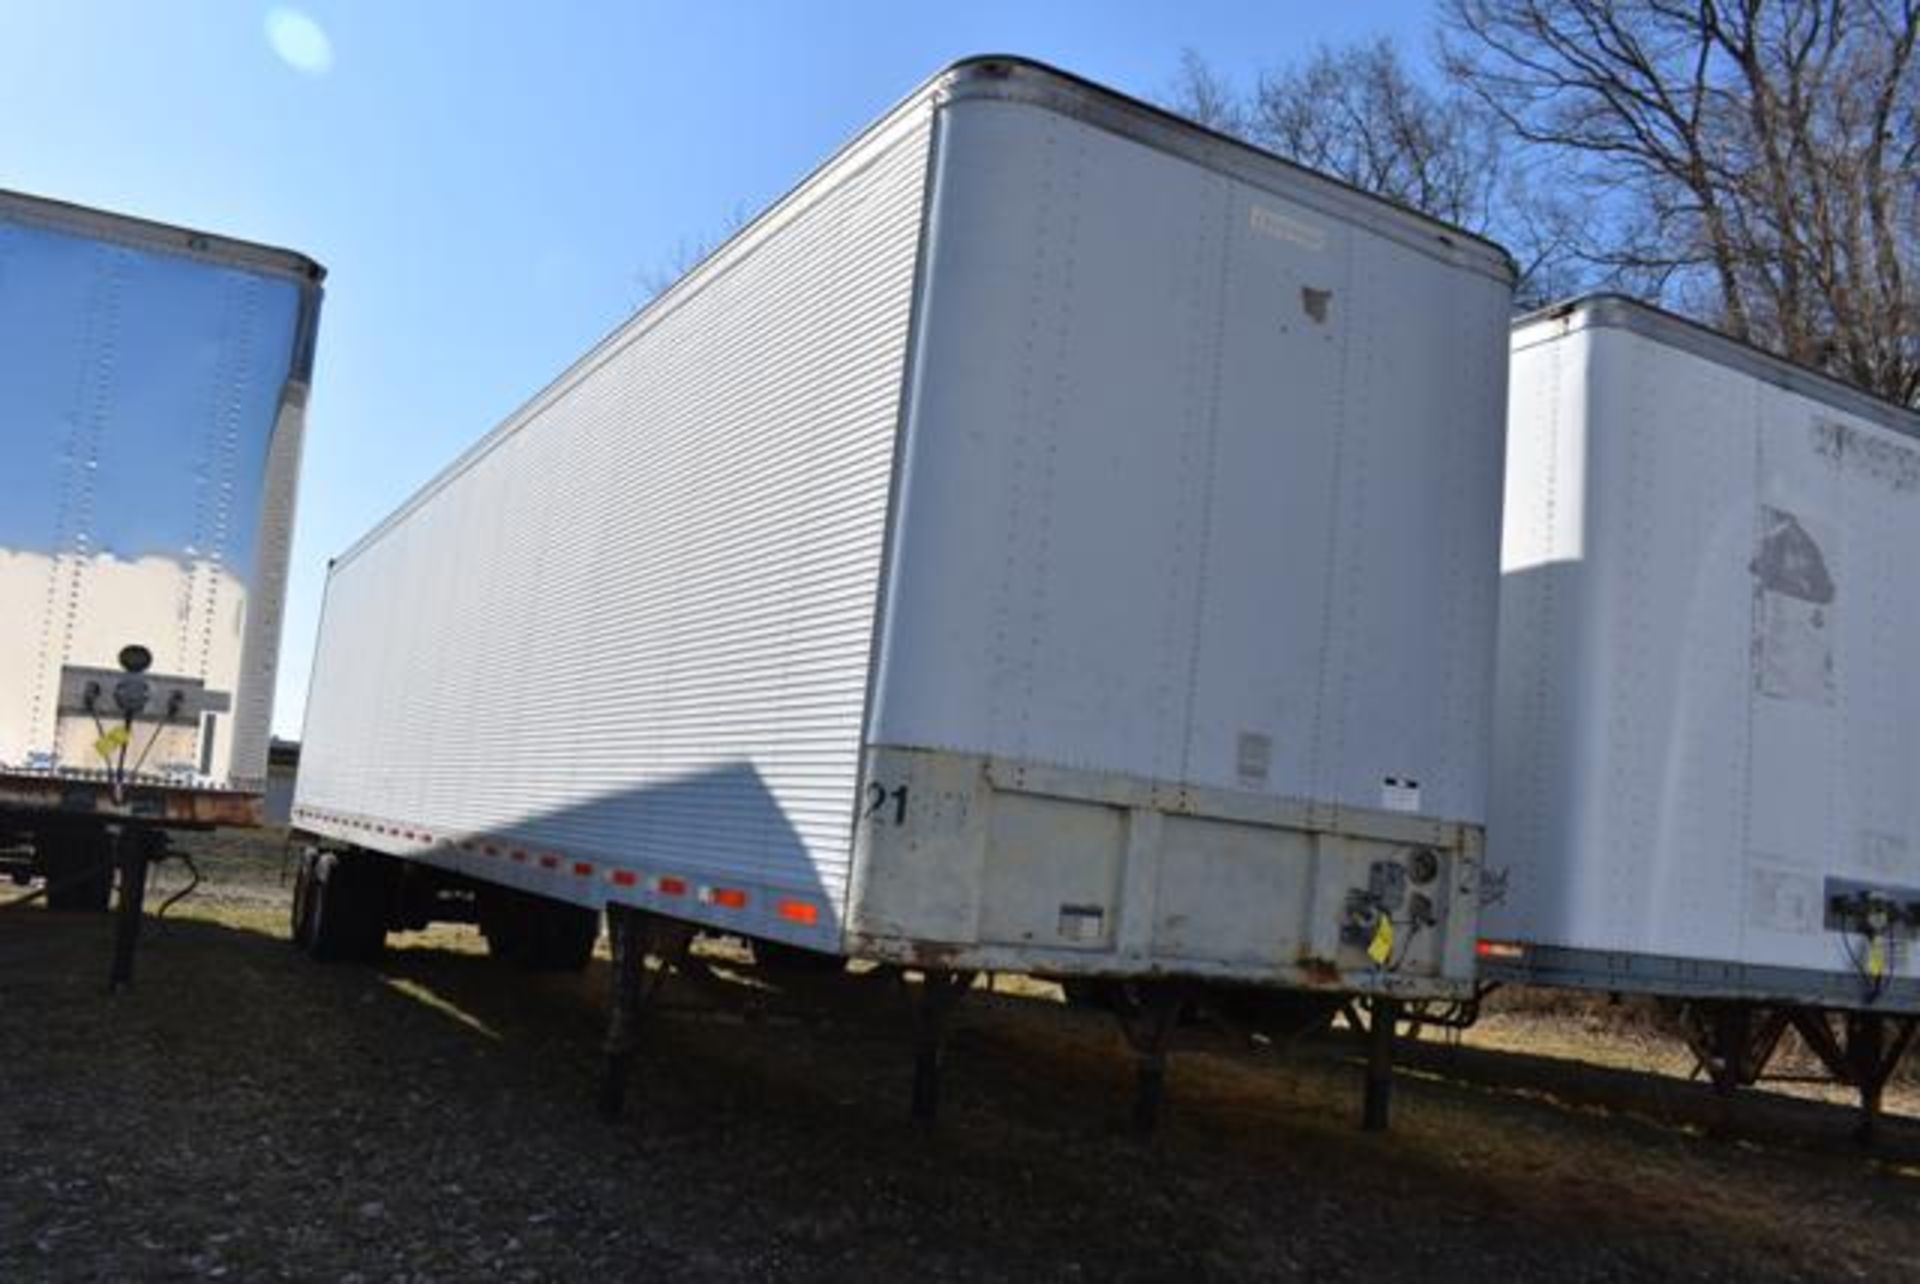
column 153, row 388
column 1051, row 538
column 1707, row 780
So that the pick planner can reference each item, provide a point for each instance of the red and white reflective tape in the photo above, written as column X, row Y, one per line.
column 794, row 910
column 798, row 910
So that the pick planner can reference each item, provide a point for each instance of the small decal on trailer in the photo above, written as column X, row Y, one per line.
column 1082, row 922
column 1380, row 945
column 1285, row 227
column 1400, row 793
column 885, row 804
column 1781, row 899
column 1253, row 757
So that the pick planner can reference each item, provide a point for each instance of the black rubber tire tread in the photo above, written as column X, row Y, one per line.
column 537, row 933
column 78, row 860
column 347, row 915
column 500, row 923
column 1095, row 992
column 563, row 937
column 305, row 886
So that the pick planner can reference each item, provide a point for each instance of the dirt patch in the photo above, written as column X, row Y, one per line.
column 247, row 1114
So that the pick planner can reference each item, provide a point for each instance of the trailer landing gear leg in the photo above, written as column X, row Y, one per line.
column 1377, row 1101
column 633, row 934
column 1866, row 1060
column 131, row 850
column 940, row 993
column 1148, row 1012
column 1874, row 1056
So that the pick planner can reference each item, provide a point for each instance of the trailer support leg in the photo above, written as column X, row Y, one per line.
column 1866, row 1040
column 1875, row 1044
column 1377, row 1101
column 633, row 933
column 1865, row 1060
column 131, row 850
column 940, row 993
column 1148, row 1012
column 1727, row 1049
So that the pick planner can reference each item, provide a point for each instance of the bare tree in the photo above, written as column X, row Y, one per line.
column 658, row 277
column 1754, row 161
column 1360, row 114
column 1205, row 97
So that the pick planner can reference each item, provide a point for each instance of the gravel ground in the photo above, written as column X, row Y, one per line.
column 246, row 1114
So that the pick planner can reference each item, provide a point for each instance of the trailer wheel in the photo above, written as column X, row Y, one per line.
column 78, row 863
column 1097, row 993
column 343, row 915
column 537, row 933
column 300, row 917
column 563, row 938
column 500, row 922
column 779, row 956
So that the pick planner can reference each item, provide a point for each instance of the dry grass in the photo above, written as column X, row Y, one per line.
column 247, row 1114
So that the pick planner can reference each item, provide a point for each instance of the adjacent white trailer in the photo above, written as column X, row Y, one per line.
column 1707, row 774
column 1051, row 538
column 153, row 388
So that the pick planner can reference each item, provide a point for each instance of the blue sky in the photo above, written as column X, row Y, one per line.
column 487, row 183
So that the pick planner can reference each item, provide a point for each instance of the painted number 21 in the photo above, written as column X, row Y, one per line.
column 877, row 797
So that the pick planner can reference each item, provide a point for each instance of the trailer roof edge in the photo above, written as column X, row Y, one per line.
column 144, row 233
column 1155, row 126
column 1607, row 310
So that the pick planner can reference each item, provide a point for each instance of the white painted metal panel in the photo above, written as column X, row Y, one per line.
column 1708, row 710
column 1201, row 479
column 632, row 625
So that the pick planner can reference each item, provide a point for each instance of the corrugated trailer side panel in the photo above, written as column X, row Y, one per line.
column 1709, row 718
column 629, row 631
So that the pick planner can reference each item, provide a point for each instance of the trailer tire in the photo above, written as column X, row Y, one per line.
column 343, row 915
column 1094, row 992
column 563, row 938
column 537, row 933
column 300, row 915
column 78, row 862
column 500, row 923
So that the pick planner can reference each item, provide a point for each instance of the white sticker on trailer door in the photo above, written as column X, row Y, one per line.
column 1399, row 793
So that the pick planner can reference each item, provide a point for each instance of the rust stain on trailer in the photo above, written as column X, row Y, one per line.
column 936, row 954
column 1318, row 972
column 165, row 806
column 906, row 952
